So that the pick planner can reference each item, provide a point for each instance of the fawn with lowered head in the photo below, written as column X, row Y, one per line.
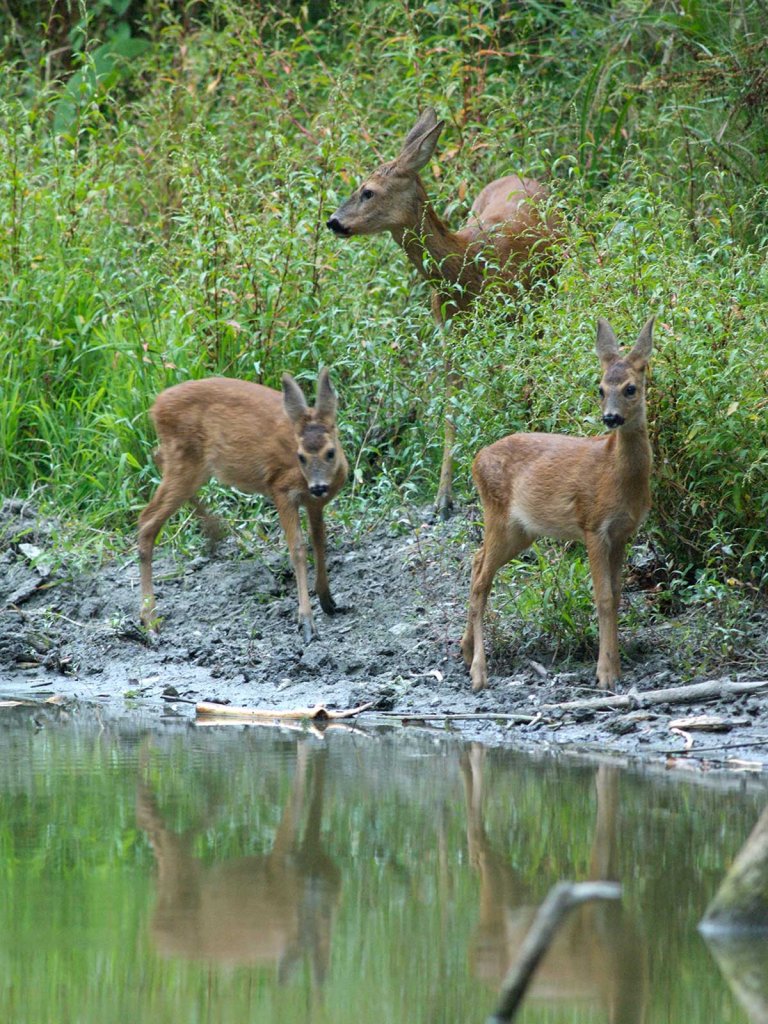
column 260, row 441
column 594, row 489
column 507, row 239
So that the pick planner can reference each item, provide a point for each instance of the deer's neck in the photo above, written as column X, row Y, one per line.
column 441, row 257
column 634, row 456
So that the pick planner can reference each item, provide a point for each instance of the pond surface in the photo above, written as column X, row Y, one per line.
column 226, row 874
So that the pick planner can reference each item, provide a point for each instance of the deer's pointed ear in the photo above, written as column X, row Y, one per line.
column 326, row 402
column 607, row 346
column 641, row 353
column 426, row 120
column 418, row 151
column 294, row 402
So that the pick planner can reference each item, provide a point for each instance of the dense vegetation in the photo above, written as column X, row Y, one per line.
column 166, row 170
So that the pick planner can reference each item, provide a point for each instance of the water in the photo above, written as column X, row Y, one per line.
column 234, row 875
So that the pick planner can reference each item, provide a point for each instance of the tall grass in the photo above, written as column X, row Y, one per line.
column 164, row 186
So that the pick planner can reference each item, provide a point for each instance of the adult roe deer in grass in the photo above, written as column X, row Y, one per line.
column 507, row 239
column 260, row 441
column 594, row 489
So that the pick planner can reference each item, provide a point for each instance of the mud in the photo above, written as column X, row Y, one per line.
column 229, row 634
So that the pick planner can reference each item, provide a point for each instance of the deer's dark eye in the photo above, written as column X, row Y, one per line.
column 330, row 455
column 601, row 390
column 630, row 389
column 367, row 193
column 302, row 459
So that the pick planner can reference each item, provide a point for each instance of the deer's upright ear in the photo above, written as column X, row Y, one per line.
column 418, row 151
column 425, row 122
column 294, row 402
column 326, row 402
column 607, row 347
column 641, row 353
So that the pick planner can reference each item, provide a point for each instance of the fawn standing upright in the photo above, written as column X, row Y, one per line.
column 594, row 489
column 260, row 441
column 506, row 239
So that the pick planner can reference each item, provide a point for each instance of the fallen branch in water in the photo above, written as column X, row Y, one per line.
column 561, row 899
column 318, row 713
column 715, row 689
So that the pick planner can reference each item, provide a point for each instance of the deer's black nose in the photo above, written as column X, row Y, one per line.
column 612, row 419
column 318, row 490
column 336, row 227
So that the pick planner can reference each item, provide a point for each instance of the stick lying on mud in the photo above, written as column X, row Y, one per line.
column 459, row 716
column 55, row 699
column 317, row 713
column 714, row 689
column 561, row 899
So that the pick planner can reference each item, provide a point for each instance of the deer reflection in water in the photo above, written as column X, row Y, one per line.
column 595, row 958
column 277, row 908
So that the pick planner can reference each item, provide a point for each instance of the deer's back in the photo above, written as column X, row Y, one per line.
column 237, row 430
column 508, row 200
column 507, row 217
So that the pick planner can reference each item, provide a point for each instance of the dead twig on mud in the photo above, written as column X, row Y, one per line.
column 561, row 899
column 469, row 716
column 714, row 689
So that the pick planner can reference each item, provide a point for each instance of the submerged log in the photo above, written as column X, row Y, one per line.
column 744, row 963
column 562, row 898
column 741, row 902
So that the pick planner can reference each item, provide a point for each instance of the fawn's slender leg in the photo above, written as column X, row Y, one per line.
column 165, row 501
column 317, row 533
column 600, row 564
column 500, row 544
column 617, row 564
column 289, row 520
column 444, row 499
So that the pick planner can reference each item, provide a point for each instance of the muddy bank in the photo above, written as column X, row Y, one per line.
column 228, row 634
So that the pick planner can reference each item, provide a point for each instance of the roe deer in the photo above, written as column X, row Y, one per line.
column 506, row 239
column 594, row 489
column 273, row 908
column 597, row 958
column 260, row 441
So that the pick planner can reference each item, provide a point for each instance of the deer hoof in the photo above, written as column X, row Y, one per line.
column 307, row 629
column 479, row 681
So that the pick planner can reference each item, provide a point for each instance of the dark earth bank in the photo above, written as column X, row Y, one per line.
column 229, row 634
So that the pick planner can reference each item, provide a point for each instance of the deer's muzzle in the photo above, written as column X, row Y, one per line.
column 337, row 227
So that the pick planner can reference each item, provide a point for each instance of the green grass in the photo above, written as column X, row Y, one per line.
column 164, row 183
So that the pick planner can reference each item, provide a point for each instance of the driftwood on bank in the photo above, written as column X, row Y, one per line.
column 694, row 693
column 317, row 713
column 55, row 699
column 561, row 899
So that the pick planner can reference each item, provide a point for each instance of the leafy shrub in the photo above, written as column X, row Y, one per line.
column 162, row 217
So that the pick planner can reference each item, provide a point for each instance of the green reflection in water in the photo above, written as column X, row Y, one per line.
column 230, row 875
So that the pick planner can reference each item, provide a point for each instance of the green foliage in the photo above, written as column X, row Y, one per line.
column 546, row 596
column 166, row 171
